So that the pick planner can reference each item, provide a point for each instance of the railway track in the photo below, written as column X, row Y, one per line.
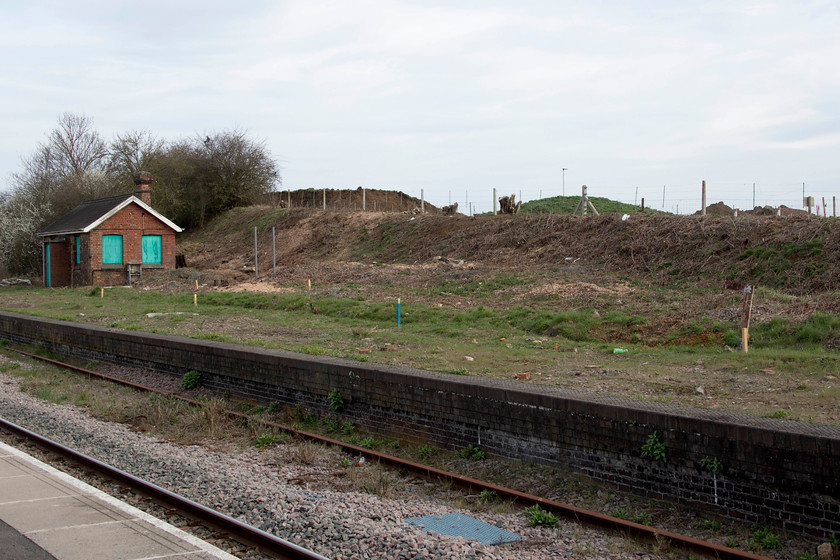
column 238, row 531
column 273, row 545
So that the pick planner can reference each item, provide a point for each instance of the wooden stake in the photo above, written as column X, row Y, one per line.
column 745, row 337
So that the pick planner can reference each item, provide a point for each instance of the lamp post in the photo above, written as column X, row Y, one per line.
column 564, row 180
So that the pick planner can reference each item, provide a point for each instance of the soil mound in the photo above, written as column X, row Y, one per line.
column 798, row 253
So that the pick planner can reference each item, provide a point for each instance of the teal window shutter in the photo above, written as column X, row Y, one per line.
column 112, row 249
column 78, row 249
column 152, row 249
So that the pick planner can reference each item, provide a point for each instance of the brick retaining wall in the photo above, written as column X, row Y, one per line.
column 779, row 472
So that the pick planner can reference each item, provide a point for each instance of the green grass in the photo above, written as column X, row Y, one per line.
column 501, row 340
column 567, row 204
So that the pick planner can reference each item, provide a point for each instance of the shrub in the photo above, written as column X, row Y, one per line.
column 191, row 380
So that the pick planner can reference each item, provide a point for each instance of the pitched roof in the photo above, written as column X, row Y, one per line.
column 88, row 215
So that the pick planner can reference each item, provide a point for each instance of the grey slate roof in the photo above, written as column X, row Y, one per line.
column 91, row 213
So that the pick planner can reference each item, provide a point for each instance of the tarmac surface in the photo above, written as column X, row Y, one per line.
column 46, row 514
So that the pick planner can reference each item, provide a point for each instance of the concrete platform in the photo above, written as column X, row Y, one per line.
column 47, row 514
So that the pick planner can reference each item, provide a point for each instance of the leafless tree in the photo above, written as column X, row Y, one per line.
column 132, row 152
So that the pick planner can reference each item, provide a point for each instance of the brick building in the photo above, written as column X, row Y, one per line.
column 109, row 241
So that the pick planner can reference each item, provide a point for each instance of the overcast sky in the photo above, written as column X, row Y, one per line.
column 635, row 99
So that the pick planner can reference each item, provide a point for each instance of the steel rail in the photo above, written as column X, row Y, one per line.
column 238, row 530
column 579, row 514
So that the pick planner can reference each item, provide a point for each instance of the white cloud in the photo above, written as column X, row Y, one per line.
column 430, row 93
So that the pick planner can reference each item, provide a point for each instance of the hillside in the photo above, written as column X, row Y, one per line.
column 798, row 255
column 672, row 268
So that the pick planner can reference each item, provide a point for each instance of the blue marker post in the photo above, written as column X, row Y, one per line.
column 398, row 312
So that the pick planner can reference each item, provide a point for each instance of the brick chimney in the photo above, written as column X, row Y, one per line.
column 143, row 180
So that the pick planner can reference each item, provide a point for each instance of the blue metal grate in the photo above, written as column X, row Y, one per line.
column 460, row 525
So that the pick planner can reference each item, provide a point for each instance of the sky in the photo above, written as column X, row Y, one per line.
column 450, row 100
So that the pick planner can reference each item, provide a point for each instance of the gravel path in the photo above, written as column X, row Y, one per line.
column 255, row 487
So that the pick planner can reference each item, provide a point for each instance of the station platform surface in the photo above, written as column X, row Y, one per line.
column 46, row 514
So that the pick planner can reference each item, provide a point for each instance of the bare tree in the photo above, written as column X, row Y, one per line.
column 194, row 179
column 133, row 152
column 78, row 146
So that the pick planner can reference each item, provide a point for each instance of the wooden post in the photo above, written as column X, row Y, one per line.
column 643, row 204
column 494, row 201
column 324, row 202
column 422, row 201
column 746, row 315
column 364, row 205
column 273, row 252
column 703, row 211
column 256, row 263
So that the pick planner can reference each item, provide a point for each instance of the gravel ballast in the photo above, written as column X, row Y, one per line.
column 263, row 490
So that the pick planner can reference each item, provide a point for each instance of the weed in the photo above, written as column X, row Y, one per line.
column 273, row 407
column 426, row 451
column 347, row 428
column 640, row 518
column 345, row 462
column 763, row 539
column 538, row 517
column 713, row 465
column 330, row 424
column 710, row 525
column 368, row 443
column 307, row 453
column 781, row 414
column 486, row 496
column 471, row 452
column 805, row 556
column 336, row 401
column 654, row 448
column 265, row 439
column 191, row 380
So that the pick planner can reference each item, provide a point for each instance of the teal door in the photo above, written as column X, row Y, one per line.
column 47, row 282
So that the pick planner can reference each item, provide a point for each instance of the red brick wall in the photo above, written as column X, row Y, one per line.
column 132, row 223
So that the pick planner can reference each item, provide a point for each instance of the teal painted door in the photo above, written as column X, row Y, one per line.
column 152, row 249
column 47, row 282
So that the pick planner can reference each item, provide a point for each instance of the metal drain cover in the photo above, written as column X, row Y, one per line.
column 460, row 525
